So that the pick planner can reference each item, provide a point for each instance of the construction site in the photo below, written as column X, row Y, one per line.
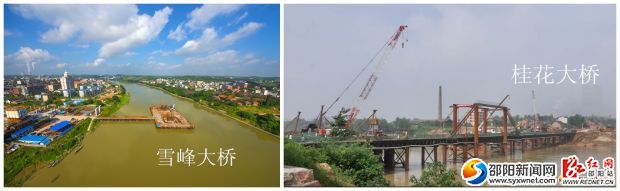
column 164, row 116
column 167, row 117
column 480, row 129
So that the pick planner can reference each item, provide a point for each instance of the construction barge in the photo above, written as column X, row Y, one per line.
column 167, row 117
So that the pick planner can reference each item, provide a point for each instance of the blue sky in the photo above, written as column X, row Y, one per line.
column 239, row 40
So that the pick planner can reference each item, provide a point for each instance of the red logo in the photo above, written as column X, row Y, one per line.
column 571, row 168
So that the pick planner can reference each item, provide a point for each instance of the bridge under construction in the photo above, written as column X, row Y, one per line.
column 164, row 116
column 458, row 145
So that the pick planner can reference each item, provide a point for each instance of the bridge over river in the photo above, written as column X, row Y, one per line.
column 395, row 152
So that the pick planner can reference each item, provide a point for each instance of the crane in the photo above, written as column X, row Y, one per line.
column 384, row 52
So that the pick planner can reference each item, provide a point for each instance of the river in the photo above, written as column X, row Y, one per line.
column 400, row 177
column 124, row 154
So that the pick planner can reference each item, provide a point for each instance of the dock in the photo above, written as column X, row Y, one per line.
column 167, row 117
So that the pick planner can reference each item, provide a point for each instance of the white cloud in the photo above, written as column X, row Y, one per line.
column 130, row 53
column 209, row 41
column 178, row 34
column 117, row 27
column 245, row 30
column 148, row 28
column 162, row 52
column 29, row 57
column 200, row 17
column 78, row 45
column 104, row 23
column 238, row 19
column 230, row 57
column 97, row 62
column 8, row 32
column 61, row 65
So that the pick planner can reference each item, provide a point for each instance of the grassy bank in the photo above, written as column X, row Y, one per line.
column 21, row 164
column 115, row 103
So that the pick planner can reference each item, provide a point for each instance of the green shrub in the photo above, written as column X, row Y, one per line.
column 357, row 162
column 437, row 174
column 298, row 155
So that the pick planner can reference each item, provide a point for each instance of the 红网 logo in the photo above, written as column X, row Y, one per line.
column 474, row 172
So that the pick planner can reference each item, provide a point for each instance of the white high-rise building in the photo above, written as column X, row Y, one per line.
column 66, row 83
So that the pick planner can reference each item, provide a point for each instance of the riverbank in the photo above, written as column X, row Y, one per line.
column 211, row 109
column 20, row 165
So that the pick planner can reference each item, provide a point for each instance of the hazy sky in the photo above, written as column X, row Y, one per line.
column 150, row 39
column 470, row 50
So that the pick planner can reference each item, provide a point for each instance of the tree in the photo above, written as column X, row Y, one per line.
column 576, row 120
column 116, row 99
column 270, row 101
column 339, row 124
column 437, row 174
column 340, row 120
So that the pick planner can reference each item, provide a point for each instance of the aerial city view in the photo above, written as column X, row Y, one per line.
column 141, row 95
column 449, row 95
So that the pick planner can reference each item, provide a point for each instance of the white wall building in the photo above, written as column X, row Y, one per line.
column 16, row 113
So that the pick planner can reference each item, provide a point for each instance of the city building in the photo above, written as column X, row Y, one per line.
column 35, row 140
column 66, row 83
column 45, row 97
column 21, row 132
column 16, row 113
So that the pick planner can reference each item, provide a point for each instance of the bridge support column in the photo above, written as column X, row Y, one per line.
column 434, row 153
column 455, row 149
column 388, row 158
column 476, row 125
column 444, row 153
column 423, row 156
column 528, row 144
column 428, row 155
column 523, row 145
column 455, row 111
column 402, row 157
column 465, row 152
column 484, row 149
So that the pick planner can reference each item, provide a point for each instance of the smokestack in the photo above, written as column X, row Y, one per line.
column 440, row 119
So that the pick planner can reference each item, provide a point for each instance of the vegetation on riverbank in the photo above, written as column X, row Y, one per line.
column 352, row 164
column 436, row 175
column 113, row 104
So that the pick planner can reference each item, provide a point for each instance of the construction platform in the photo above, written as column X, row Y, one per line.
column 166, row 117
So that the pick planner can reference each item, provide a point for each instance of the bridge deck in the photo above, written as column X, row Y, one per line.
column 444, row 140
column 126, row 118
